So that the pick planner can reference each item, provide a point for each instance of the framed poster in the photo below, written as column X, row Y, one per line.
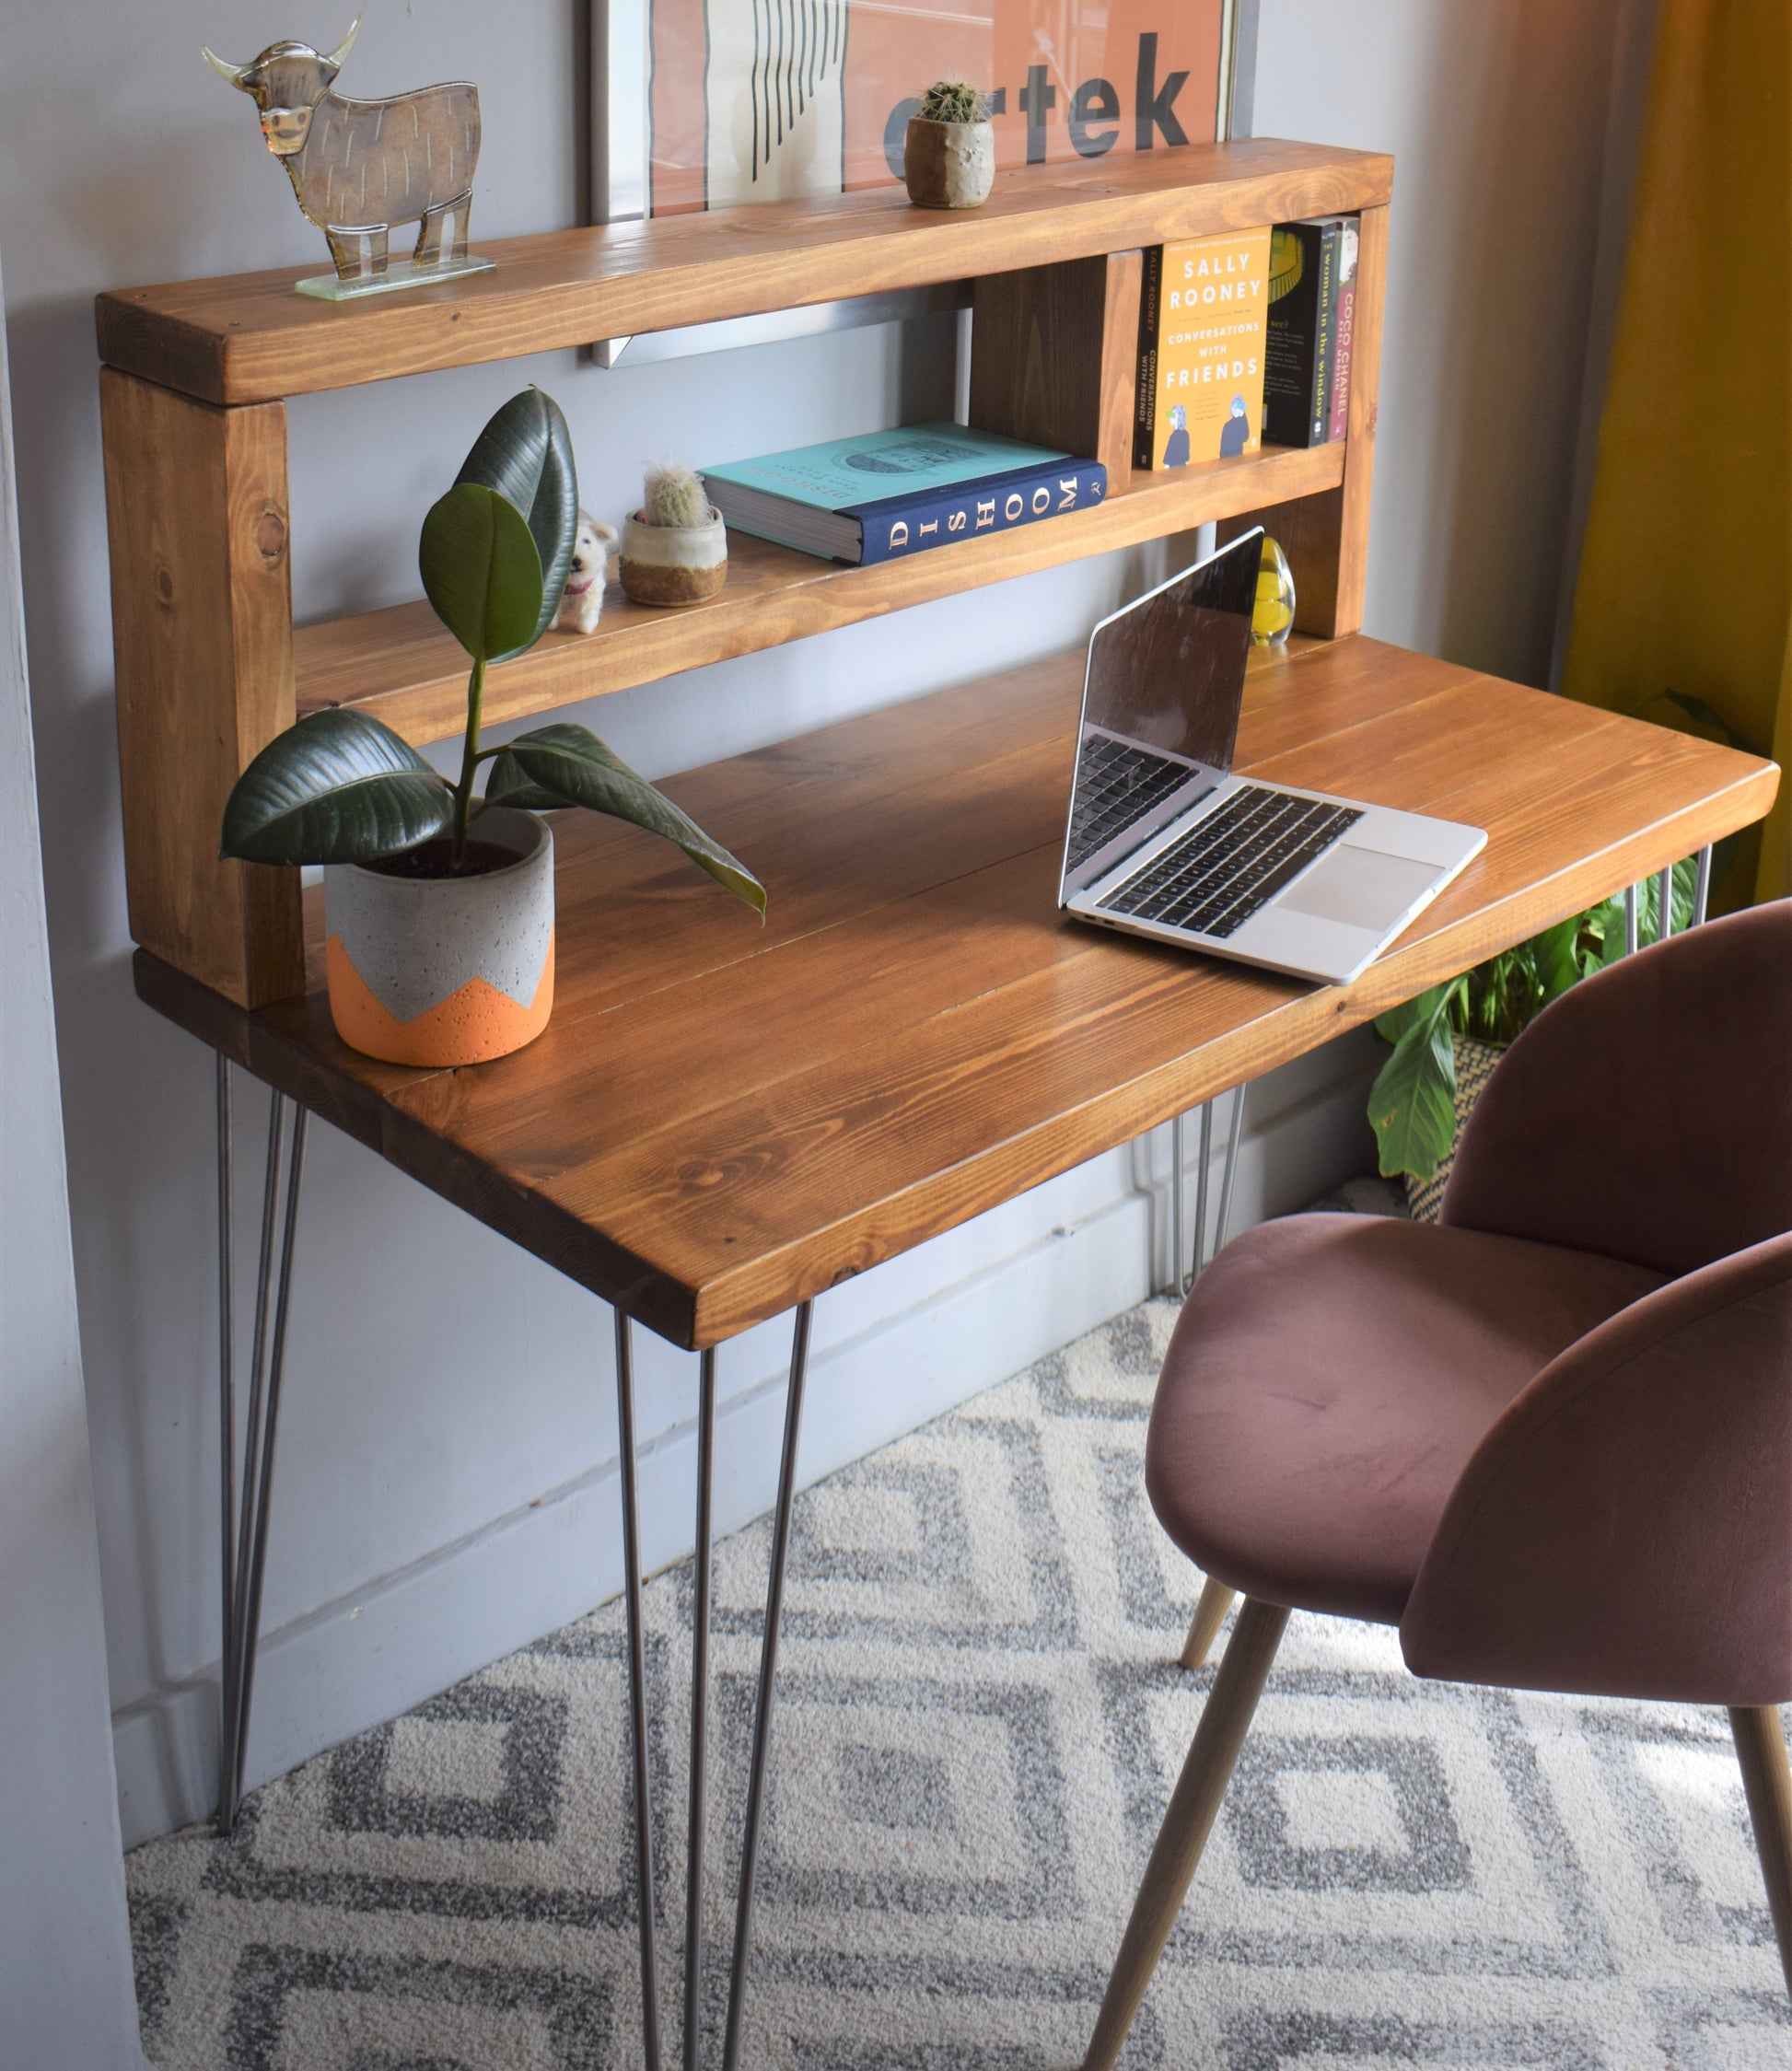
column 711, row 103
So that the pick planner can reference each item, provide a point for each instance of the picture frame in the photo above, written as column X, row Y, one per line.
column 693, row 104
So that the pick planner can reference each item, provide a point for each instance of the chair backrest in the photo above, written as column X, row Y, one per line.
column 1624, row 1528
column 1648, row 1114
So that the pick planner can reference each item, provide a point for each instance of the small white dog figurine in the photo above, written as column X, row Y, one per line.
column 581, row 602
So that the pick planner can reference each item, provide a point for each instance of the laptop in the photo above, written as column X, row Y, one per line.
column 1164, row 841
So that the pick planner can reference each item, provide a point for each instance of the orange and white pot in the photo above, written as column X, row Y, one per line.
column 446, row 971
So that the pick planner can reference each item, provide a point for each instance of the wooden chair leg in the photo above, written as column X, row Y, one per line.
column 1225, row 1720
column 1209, row 1616
column 1768, row 1781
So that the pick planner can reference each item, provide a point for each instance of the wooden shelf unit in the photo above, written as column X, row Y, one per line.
column 209, row 666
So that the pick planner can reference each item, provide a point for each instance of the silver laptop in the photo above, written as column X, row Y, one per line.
column 1164, row 841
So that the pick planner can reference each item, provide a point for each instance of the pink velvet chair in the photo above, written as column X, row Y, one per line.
column 1549, row 1438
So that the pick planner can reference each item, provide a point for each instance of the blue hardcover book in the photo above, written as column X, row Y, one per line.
column 899, row 491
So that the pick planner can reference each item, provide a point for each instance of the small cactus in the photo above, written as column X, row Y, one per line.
column 951, row 101
column 675, row 496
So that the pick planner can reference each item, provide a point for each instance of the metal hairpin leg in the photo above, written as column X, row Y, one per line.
column 1664, row 904
column 693, row 1917
column 646, row 1893
column 1232, row 1136
column 245, row 1565
column 1702, row 886
column 1630, row 920
column 768, row 1670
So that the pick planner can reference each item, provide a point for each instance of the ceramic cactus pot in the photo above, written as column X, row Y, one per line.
column 445, row 970
column 673, row 564
column 948, row 165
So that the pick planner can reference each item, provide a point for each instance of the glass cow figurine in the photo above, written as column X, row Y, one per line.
column 361, row 168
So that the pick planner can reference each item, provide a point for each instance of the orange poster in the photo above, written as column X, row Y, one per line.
column 761, row 100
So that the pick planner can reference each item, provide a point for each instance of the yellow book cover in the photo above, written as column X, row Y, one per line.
column 1207, row 373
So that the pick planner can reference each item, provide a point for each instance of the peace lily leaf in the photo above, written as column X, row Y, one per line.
column 338, row 787
column 568, row 765
column 1412, row 1103
column 525, row 455
column 482, row 572
column 1395, row 1022
column 1557, row 965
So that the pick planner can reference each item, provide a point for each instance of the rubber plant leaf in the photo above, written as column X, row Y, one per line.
column 338, row 787
column 482, row 572
column 1412, row 1103
column 568, row 765
column 525, row 455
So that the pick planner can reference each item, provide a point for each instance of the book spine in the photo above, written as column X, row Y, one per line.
column 1145, row 418
column 1325, row 335
column 971, row 509
column 1345, row 333
column 1289, row 345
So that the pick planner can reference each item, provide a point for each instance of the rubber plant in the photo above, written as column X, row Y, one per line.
column 340, row 786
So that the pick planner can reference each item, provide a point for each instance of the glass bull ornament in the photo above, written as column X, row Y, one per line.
column 361, row 168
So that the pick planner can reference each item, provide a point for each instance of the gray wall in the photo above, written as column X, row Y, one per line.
column 65, row 1999
column 446, row 1482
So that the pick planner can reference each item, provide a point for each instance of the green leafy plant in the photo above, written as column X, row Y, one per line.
column 342, row 787
column 674, row 496
column 1412, row 1103
column 951, row 101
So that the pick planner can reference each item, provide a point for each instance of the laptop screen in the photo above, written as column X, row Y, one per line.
column 1160, row 706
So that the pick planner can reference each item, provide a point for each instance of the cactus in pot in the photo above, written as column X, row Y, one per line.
column 675, row 548
column 949, row 151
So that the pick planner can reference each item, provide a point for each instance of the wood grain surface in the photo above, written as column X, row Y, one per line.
column 724, row 1119
column 401, row 664
column 250, row 338
column 201, row 642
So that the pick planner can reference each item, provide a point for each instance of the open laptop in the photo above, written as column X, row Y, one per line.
column 1164, row 841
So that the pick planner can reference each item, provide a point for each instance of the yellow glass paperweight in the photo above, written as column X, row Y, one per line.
column 1271, row 617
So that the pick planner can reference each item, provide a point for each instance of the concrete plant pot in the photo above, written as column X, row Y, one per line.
column 673, row 564
column 445, row 970
column 948, row 165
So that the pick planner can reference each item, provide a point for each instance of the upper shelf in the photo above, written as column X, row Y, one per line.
column 247, row 338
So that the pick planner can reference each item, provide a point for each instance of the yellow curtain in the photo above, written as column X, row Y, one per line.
column 1686, row 580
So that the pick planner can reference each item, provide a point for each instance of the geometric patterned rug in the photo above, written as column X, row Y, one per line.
column 980, row 1719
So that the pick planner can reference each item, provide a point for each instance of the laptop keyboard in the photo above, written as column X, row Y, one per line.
column 1231, row 864
column 1115, row 785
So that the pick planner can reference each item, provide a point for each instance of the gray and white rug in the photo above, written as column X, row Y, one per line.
column 981, row 1718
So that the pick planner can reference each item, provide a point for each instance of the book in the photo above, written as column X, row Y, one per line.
column 888, row 493
column 1302, row 335
column 1345, row 330
column 1202, row 312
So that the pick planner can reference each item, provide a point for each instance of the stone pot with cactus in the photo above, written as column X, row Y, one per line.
column 675, row 548
column 948, row 154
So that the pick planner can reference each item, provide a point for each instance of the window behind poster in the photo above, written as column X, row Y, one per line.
column 764, row 99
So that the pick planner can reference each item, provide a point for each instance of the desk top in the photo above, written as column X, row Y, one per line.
column 723, row 1120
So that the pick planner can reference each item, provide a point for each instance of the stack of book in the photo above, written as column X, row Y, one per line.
column 889, row 494
column 1246, row 336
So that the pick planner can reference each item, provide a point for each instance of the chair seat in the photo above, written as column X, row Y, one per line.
column 1327, row 1380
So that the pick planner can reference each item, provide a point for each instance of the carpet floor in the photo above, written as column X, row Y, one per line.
column 981, row 1717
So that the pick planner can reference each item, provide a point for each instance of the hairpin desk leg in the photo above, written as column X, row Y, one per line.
column 1204, row 1156
column 1630, row 920
column 1702, row 886
column 768, row 1670
column 646, row 1893
column 694, row 1916
column 245, row 1569
column 1232, row 1136
column 1664, row 904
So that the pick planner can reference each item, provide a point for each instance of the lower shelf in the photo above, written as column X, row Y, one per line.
column 402, row 667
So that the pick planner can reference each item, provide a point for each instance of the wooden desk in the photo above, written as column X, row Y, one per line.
column 722, row 1120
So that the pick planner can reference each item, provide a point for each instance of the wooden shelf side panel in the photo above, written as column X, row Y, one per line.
column 202, row 640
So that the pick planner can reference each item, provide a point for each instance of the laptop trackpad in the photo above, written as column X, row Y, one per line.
column 1361, row 887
